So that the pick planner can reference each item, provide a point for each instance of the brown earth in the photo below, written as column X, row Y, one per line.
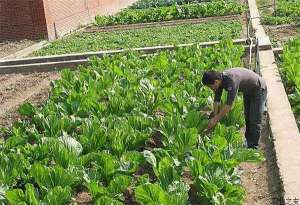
column 17, row 88
column 261, row 180
column 282, row 33
column 10, row 47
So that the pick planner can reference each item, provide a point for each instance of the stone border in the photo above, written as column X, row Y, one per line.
column 282, row 120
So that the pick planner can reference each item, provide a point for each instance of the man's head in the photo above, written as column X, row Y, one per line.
column 212, row 79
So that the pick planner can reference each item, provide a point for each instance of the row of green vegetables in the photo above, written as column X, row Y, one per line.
column 129, row 129
column 290, row 68
column 174, row 12
column 143, row 4
column 286, row 12
column 171, row 35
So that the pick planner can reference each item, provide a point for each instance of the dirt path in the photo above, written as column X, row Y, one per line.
column 17, row 88
column 262, row 182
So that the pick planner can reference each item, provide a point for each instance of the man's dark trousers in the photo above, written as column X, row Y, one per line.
column 254, row 104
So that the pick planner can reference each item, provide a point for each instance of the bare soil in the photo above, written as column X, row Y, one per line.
column 17, row 88
column 281, row 34
column 83, row 197
column 10, row 47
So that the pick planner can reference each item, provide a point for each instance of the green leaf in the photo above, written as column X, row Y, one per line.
column 105, row 200
column 119, row 184
column 166, row 172
column 248, row 155
column 70, row 143
column 150, row 194
column 51, row 177
column 58, row 195
column 96, row 190
column 150, row 158
column 27, row 109
column 17, row 196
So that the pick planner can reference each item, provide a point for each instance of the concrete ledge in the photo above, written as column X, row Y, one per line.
column 264, row 43
column 282, row 120
column 42, row 67
column 283, row 127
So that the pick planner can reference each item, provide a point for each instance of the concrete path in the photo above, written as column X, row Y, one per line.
column 282, row 121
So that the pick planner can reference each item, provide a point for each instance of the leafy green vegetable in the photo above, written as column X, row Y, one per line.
column 171, row 35
column 185, row 11
column 17, row 196
column 48, row 178
column 290, row 67
column 58, row 195
column 128, row 126
column 286, row 12
column 142, row 4
column 27, row 109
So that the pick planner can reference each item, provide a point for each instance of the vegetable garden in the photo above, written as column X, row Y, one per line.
column 285, row 12
column 130, row 128
column 171, row 35
column 281, row 19
column 127, row 124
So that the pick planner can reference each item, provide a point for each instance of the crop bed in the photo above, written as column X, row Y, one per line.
column 143, row 4
column 172, row 35
column 174, row 12
column 281, row 23
column 284, row 12
column 290, row 70
column 212, row 19
column 128, row 130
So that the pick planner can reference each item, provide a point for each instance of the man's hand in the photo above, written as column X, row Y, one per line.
column 212, row 123
column 219, row 116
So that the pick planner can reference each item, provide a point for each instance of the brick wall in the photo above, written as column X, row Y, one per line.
column 65, row 15
column 51, row 18
column 21, row 19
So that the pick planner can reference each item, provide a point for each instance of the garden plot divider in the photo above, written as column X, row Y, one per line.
column 281, row 118
column 50, row 63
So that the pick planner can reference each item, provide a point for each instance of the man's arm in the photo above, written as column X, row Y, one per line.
column 232, row 92
column 217, row 101
column 217, row 106
column 226, row 108
column 219, row 116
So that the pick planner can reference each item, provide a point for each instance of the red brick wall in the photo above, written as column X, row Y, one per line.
column 66, row 15
column 51, row 18
column 21, row 19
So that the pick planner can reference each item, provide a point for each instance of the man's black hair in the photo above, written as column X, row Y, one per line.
column 209, row 77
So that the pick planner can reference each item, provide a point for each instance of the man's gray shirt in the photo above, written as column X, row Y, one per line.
column 236, row 80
